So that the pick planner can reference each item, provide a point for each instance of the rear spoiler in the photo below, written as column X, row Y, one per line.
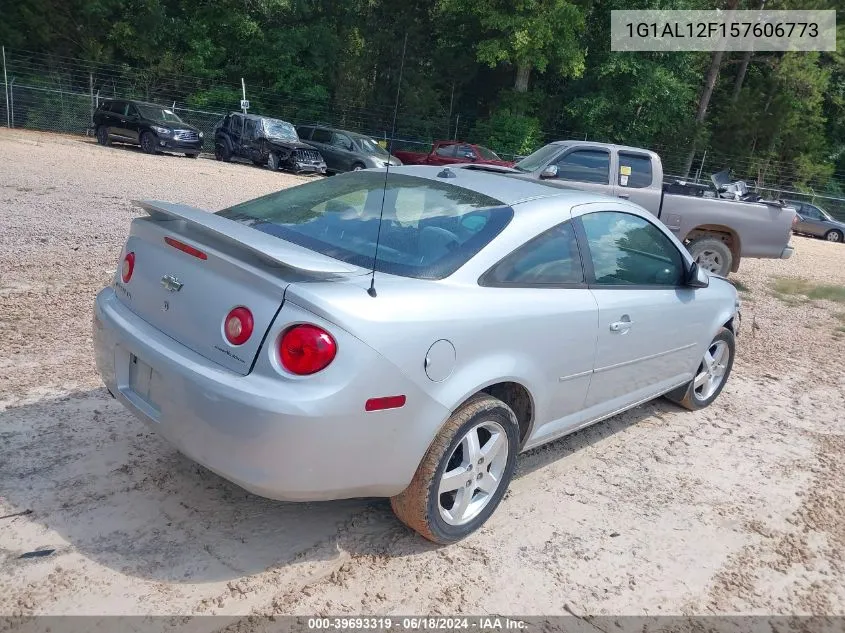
column 267, row 247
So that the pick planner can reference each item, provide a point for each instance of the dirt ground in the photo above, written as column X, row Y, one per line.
column 739, row 508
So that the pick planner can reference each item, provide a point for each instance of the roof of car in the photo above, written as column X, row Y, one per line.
column 258, row 117
column 620, row 148
column 509, row 189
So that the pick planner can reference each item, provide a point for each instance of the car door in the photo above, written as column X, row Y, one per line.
column 584, row 167
column 341, row 146
column 236, row 128
column 556, row 324
column 250, row 141
column 133, row 123
column 117, row 120
column 321, row 138
column 812, row 222
column 634, row 179
column 649, row 325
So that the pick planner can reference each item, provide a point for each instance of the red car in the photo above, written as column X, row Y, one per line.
column 451, row 152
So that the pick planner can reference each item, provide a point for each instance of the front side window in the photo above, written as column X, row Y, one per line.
column 236, row 124
column 538, row 159
column 429, row 228
column 446, row 151
column 249, row 129
column 627, row 250
column 585, row 165
column 810, row 211
column 342, row 141
column 157, row 113
column 549, row 260
column 465, row 151
column 634, row 170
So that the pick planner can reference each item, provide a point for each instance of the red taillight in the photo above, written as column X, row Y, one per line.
column 388, row 402
column 185, row 248
column 128, row 267
column 238, row 326
column 306, row 349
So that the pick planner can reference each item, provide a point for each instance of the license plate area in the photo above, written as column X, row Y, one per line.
column 143, row 380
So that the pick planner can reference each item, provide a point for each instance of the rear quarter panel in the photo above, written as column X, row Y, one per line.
column 763, row 230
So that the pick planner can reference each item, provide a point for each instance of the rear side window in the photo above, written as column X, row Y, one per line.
column 429, row 228
column 549, row 260
column 627, row 250
column 321, row 136
column 634, row 170
column 585, row 165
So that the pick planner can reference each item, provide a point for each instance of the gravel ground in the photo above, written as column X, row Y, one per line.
column 739, row 508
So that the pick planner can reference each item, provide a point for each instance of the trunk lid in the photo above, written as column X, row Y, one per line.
column 188, row 297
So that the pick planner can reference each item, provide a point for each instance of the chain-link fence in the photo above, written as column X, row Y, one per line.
column 60, row 95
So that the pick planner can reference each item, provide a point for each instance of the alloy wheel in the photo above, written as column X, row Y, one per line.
column 711, row 373
column 710, row 261
column 473, row 473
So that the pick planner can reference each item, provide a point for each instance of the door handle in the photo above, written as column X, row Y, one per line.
column 123, row 120
column 624, row 196
column 621, row 326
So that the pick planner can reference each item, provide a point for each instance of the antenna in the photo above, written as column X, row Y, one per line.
column 372, row 289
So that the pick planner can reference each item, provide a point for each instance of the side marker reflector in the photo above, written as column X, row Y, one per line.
column 389, row 402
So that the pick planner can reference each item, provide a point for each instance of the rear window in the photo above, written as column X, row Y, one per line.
column 429, row 230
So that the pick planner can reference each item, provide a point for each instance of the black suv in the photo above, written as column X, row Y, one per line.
column 153, row 127
column 265, row 141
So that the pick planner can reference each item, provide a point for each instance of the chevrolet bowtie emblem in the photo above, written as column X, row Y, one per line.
column 171, row 283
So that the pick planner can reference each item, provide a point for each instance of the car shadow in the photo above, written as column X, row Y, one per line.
column 118, row 494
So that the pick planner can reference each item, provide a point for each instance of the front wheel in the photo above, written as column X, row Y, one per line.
column 273, row 161
column 464, row 473
column 222, row 153
column 712, row 254
column 148, row 143
column 358, row 167
column 833, row 236
column 711, row 375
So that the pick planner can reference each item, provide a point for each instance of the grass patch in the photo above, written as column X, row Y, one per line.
column 797, row 291
column 741, row 287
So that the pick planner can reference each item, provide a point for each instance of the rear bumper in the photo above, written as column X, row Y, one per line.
column 295, row 439
column 787, row 252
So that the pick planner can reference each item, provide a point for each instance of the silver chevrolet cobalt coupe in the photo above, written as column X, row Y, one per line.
column 404, row 336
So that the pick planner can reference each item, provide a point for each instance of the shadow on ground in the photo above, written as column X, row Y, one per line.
column 123, row 497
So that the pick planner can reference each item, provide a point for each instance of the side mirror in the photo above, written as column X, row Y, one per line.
column 550, row 171
column 697, row 277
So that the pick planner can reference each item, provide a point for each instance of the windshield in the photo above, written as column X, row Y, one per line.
column 274, row 128
column 429, row 228
column 157, row 113
column 487, row 154
column 538, row 159
column 369, row 146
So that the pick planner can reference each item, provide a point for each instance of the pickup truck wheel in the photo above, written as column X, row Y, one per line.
column 833, row 236
column 712, row 254
column 711, row 375
column 464, row 473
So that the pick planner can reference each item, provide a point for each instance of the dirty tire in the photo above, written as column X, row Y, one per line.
column 687, row 395
column 103, row 135
column 418, row 505
column 148, row 143
column 712, row 254
column 833, row 236
column 222, row 153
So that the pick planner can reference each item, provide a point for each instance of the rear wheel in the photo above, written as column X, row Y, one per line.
column 711, row 376
column 103, row 135
column 712, row 254
column 148, row 143
column 464, row 474
column 833, row 236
